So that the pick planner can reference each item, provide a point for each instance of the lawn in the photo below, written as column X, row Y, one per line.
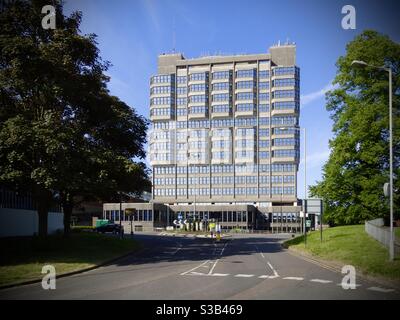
column 350, row 245
column 22, row 259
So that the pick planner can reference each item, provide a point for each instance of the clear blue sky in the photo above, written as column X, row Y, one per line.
column 131, row 34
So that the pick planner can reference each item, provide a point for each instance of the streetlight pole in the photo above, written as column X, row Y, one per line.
column 389, row 70
column 305, row 186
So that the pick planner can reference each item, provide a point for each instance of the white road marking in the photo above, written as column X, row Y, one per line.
column 241, row 275
column 380, row 289
column 268, row 277
column 357, row 285
column 202, row 264
column 197, row 273
column 273, row 270
column 219, row 274
column 294, row 278
column 320, row 281
column 212, row 268
column 222, row 251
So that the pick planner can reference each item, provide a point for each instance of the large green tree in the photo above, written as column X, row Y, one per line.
column 62, row 134
column 358, row 165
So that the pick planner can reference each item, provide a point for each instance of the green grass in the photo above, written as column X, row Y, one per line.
column 350, row 245
column 397, row 232
column 22, row 259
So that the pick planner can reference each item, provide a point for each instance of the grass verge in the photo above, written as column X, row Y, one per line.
column 350, row 245
column 22, row 259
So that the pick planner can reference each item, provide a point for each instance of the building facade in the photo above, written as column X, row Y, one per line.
column 225, row 134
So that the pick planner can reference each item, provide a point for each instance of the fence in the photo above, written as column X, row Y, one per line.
column 375, row 228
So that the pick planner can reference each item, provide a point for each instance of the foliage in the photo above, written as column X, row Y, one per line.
column 62, row 134
column 358, row 166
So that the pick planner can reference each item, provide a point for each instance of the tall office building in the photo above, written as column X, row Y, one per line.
column 225, row 128
column 224, row 138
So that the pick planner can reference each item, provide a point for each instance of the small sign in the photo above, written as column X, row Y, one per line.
column 308, row 223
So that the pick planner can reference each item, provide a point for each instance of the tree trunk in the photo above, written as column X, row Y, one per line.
column 67, row 210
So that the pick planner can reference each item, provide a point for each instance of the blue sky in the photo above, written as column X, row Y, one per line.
column 131, row 34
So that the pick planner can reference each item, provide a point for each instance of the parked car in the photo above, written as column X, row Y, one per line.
column 109, row 227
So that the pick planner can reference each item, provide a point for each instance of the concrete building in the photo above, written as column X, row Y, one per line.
column 225, row 138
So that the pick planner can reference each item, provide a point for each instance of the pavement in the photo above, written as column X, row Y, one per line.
column 244, row 266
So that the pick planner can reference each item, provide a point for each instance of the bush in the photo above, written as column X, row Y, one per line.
column 78, row 229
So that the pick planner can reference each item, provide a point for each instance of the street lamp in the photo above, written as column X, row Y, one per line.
column 389, row 70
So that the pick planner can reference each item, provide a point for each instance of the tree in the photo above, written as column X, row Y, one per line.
column 358, row 166
column 61, row 132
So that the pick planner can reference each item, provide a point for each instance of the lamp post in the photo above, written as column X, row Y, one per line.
column 389, row 70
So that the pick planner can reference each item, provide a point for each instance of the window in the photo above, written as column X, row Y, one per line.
column 161, row 112
column 160, row 90
column 181, row 112
column 198, row 87
column 198, row 98
column 245, row 73
column 246, row 122
column 221, row 108
column 287, row 82
column 263, row 107
column 263, row 132
column 285, row 131
column 161, row 101
column 221, row 75
column 221, row 97
column 285, row 153
column 284, row 94
column 245, row 85
column 263, row 121
column 221, row 123
column 263, row 74
column 200, row 76
column 181, row 90
column 263, row 96
column 162, row 79
column 263, row 85
column 263, row 143
column 284, row 105
column 245, row 107
column 280, row 71
column 245, row 96
column 263, row 154
column 285, row 142
column 284, row 120
column 221, row 86
column 198, row 109
column 181, row 79
column 181, row 101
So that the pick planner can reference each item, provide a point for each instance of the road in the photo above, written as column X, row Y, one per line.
column 241, row 267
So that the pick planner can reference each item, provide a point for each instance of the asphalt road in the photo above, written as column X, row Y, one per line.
column 242, row 267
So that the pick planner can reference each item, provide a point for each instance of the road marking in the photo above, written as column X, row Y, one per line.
column 222, row 251
column 202, row 264
column 197, row 273
column 273, row 270
column 241, row 275
column 212, row 268
column 380, row 289
column 219, row 274
column 268, row 277
column 320, row 281
column 357, row 285
column 294, row 278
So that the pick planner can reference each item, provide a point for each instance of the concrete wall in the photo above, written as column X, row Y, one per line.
column 375, row 228
column 16, row 222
